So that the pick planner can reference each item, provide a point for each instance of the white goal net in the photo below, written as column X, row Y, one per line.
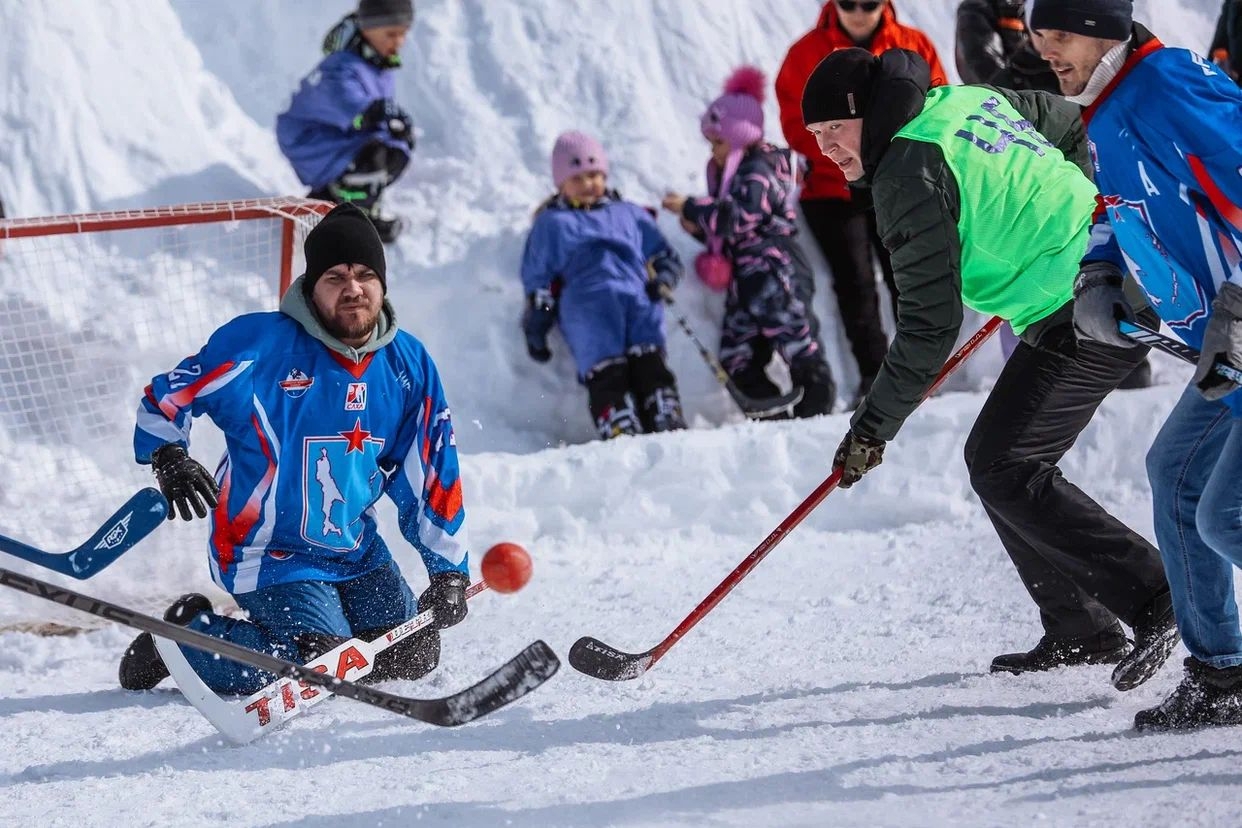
column 94, row 305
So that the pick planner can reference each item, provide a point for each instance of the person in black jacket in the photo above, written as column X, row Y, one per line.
column 1226, row 48
column 994, row 47
column 955, row 213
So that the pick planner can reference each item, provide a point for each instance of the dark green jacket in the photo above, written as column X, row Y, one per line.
column 917, row 212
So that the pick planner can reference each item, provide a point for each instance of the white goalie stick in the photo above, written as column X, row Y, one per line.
column 511, row 681
column 246, row 719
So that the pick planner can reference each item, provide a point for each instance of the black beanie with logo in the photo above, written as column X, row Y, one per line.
column 839, row 87
column 1105, row 19
column 344, row 236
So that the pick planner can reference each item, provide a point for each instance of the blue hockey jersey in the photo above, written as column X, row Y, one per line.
column 313, row 439
column 316, row 132
column 1169, row 169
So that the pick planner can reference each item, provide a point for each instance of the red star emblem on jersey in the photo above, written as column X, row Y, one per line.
column 356, row 437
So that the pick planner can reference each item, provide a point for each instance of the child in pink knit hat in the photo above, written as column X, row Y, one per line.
column 748, row 222
column 595, row 264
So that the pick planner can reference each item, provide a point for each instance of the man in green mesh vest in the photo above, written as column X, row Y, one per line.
column 982, row 200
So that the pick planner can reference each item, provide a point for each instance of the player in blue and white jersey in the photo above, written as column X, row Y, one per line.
column 325, row 406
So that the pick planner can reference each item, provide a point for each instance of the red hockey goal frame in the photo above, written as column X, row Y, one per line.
column 289, row 209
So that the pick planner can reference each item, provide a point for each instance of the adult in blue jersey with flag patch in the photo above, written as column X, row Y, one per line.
column 1165, row 128
column 325, row 405
column 343, row 132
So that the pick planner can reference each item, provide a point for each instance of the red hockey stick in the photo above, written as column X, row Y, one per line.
column 595, row 658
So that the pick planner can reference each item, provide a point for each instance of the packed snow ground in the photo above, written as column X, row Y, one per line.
column 843, row 683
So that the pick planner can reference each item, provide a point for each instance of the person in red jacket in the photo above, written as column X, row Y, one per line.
column 842, row 223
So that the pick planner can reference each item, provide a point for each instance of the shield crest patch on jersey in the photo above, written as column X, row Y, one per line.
column 341, row 478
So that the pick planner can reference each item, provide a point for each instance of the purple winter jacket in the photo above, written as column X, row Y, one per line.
column 316, row 133
column 757, row 218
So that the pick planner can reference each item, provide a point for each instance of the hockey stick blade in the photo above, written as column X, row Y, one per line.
column 1176, row 348
column 246, row 719
column 140, row 516
column 596, row 659
column 526, row 671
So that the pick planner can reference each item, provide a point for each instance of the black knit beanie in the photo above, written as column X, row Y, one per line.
column 1105, row 19
column 839, row 87
column 343, row 236
column 376, row 14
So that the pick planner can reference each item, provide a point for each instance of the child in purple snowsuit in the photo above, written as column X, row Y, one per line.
column 343, row 133
column 748, row 221
column 596, row 264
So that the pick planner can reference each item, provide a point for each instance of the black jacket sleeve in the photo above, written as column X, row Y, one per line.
column 978, row 50
column 1220, row 37
column 917, row 209
column 1233, row 31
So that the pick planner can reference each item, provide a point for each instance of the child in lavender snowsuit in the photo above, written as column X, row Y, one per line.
column 748, row 221
column 596, row 264
column 343, row 133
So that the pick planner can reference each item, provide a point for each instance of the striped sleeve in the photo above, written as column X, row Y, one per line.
column 426, row 487
column 172, row 400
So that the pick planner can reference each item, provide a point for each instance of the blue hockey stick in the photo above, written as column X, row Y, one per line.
column 1177, row 348
column 131, row 523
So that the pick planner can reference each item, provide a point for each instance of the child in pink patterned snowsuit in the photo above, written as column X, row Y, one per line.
column 748, row 221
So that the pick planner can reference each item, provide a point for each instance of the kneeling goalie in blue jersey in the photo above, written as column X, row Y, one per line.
column 325, row 405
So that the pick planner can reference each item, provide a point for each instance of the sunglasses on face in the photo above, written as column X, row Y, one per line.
column 854, row 5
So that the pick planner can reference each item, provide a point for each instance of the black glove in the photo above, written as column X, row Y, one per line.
column 447, row 596
column 1222, row 342
column 1099, row 303
column 385, row 113
column 663, row 274
column 856, row 456
column 183, row 480
column 537, row 323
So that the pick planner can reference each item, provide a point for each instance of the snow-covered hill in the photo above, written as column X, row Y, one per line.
column 843, row 683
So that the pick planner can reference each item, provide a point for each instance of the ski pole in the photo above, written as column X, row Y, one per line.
column 751, row 407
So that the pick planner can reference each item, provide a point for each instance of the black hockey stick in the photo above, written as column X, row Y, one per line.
column 755, row 409
column 599, row 660
column 140, row 515
column 520, row 675
column 1176, row 348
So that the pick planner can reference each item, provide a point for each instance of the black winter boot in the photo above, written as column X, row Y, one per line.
column 608, row 385
column 1155, row 636
column 141, row 666
column 655, row 391
column 1207, row 697
column 819, row 392
column 388, row 227
column 1108, row 647
column 753, row 381
column 864, row 387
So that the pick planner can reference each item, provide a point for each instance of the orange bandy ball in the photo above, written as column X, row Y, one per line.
column 506, row 567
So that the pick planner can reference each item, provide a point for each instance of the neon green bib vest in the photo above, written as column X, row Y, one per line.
column 1025, row 210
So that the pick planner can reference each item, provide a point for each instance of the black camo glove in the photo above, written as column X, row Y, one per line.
column 856, row 456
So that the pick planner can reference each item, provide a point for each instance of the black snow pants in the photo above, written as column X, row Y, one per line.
column 1083, row 567
column 846, row 234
